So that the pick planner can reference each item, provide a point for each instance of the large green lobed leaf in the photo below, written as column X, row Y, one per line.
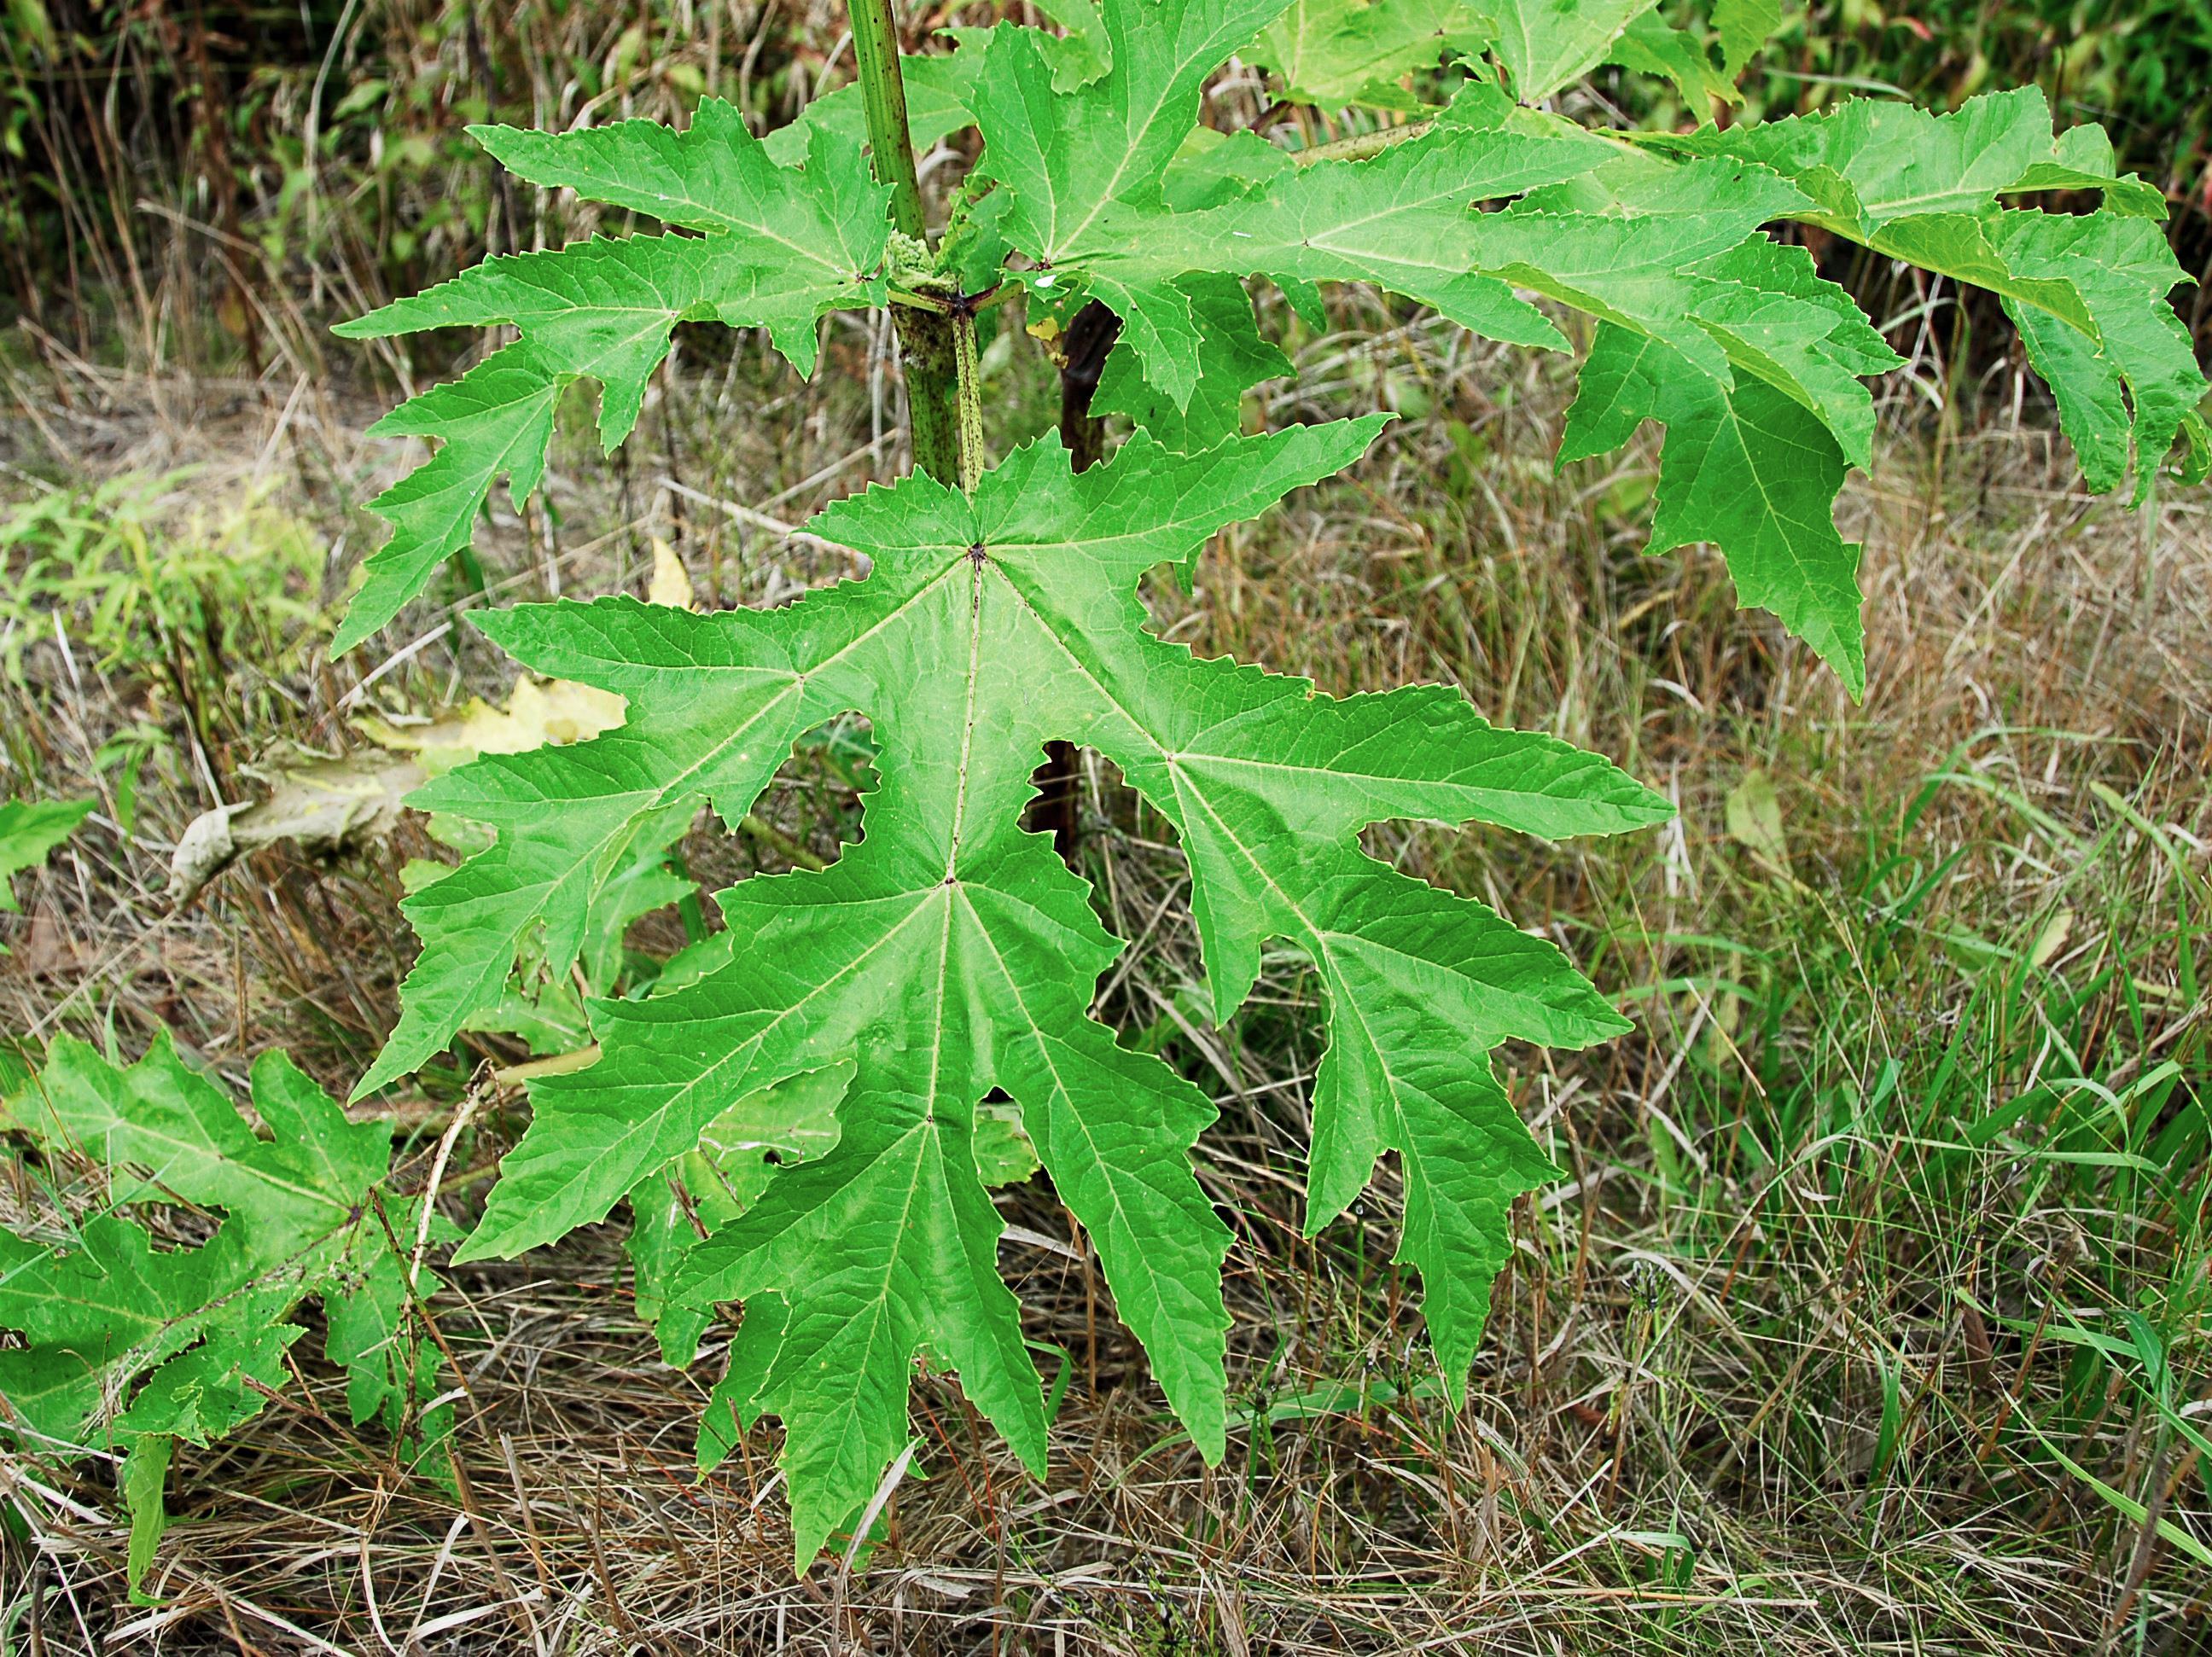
column 1667, row 250
column 780, row 245
column 950, row 953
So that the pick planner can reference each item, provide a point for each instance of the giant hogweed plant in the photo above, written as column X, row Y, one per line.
column 796, row 1113
column 138, row 1326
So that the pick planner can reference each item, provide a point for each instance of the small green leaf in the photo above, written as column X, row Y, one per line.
column 1755, row 819
column 2123, row 269
column 1232, row 359
column 938, row 87
column 29, row 830
column 1544, row 44
column 204, row 1395
column 1004, row 1155
column 1335, row 52
column 1744, row 467
column 1650, row 45
column 145, row 1479
column 1744, row 26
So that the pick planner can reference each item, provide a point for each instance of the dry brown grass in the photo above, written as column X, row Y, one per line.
column 1672, row 1437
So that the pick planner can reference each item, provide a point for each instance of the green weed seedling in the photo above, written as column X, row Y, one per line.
column 146, row 588
column 139, row 1331
column 851, row 1020
column 29, row 831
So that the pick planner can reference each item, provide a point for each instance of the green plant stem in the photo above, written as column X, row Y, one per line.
column 969, row 394
column 688, row 908
column 926, row 342
column 1361, row 146
column 768, row 834
column 470, row 568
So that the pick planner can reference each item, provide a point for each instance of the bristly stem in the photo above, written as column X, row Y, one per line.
column 924, row 337
column 970, row 395
column 882, row 94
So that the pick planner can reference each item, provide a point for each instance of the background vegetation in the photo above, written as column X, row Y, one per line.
column 1874, row 1315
